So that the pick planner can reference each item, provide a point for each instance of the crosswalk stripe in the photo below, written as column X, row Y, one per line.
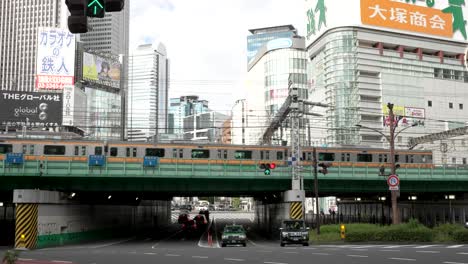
column 455, row 246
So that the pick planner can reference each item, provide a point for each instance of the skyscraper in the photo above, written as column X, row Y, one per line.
column 147, row 93
column 109, row 34
column 261, row 36
column 19, row 23
column 181, row 107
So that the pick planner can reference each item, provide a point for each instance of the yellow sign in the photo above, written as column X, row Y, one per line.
column 343, row 231
column 398, row 110
column 409, row 17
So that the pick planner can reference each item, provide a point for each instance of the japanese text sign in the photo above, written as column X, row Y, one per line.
column 408, row 17
column 55, row 65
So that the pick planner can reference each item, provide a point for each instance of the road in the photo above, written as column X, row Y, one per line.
column 172, row 247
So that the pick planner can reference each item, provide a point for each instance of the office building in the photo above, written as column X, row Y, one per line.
column 181, row 107
column 19, row 24
column 204, row 127
column 366, row 59
column 148, row 93
column 261, row 36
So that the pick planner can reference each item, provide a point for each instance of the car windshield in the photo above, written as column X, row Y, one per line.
column 233, row 229
column 293, row 224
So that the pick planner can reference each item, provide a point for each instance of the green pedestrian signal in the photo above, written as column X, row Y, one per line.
column 96, row 8
column 267, row 171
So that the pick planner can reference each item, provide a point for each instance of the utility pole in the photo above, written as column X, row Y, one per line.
column 317, row 213
column 394, row 194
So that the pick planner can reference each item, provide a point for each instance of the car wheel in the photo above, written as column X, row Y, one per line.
column 282, row 244
column 305, row 244
column 244, row 244
column 223, row 245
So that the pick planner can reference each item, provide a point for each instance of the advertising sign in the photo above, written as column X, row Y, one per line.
column 404, row 116
column 68, row 105
column 99, row 70
column 55, row 65
column 440, row 19
column 30, row 109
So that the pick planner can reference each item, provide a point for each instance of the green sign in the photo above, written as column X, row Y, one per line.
column 95, row 8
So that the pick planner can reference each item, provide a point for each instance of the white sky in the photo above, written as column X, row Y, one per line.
column 206, row 40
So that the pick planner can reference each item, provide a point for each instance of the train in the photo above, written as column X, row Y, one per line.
column 118, row 151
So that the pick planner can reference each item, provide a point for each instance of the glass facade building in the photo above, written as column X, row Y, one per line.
column 262, row 36
column 104, row 114
column 181, row 107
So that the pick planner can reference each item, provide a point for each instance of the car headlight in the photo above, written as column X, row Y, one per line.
column 242, row 236
column 224, row 237
column 285, row 234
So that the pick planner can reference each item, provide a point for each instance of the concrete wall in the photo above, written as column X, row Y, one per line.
column 60, row 224
column 268, row 217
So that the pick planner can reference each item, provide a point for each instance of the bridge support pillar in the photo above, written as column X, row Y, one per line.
column 295, row 204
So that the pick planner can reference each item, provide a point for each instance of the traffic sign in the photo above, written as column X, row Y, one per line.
column 393, row 183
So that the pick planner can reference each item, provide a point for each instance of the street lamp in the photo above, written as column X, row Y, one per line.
column 391, row 140
column 450, row 198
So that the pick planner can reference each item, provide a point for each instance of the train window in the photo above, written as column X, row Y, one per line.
column 383, row 158
column 464, row 161
column 219, row 154
column 267, row 154
column 326, row 156
column 181, row 153
column 225, row 154
column 200, row 154
column 174, row 153
column 97, row 150
column 222, row 154
column 31, row 149
column 364, row 157
column 261, row 154
column 83, row 150
column 345, row 157
column 54, row 150
column 6, row 148
column 409, row 158
column 155, row 152
column 309, row 156
column 423, row 159
column 279, row 155
column 77, row 149
column 134, row 152
column 128, row 152
column 243, row 154
column 397, row 158
column 114, row 152
column 25, row 149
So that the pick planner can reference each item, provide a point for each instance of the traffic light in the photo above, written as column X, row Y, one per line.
column 77, row 21
column 324, row 167
column 267, row 167
column 81, row 9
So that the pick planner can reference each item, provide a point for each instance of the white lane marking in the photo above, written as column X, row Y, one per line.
column 462, row 253
column 291, row 252
column 455, row 246
column 172, row 255
column 309, row 248
column 268, row 262
column 233, row 259
column 169, row 237
column 393, row 246
column 426, row 246
column 132, row 252
column 448, row 262
column 357, row 256
column 150, row 253
column 113, row 243
column 265, row 251
column 61, row 261
column 332, row 249
column 25, row 259
column 200, row 257
column 390, row 250
column 427, row 251
column 322, row 254
column 360, row 249
column 404, row 259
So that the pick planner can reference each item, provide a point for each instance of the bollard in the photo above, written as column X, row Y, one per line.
column 343, row 232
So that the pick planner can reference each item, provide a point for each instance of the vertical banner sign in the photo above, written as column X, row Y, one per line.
column 68, row 105
column 55, row 65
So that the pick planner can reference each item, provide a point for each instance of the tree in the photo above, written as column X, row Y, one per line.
column 236, row 202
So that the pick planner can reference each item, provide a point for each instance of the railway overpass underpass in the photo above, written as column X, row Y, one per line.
column 67, row 202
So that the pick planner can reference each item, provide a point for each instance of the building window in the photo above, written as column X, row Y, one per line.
column 451, row 105
column 464, row 161
column 460, row 106
column 429, row 103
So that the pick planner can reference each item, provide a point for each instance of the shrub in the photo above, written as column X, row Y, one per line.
column 10, row 257
column 460, row 236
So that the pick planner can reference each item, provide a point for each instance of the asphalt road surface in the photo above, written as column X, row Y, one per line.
column 171, row 246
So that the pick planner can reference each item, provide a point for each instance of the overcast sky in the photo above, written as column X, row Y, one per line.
column 206, row 40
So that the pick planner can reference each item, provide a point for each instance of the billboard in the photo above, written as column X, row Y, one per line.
column 100, row 70
column 440, row 19
column 74, row 106
column 407, row 116
column 55, row 64
column 32, row 109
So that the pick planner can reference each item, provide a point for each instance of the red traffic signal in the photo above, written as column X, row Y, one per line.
column 272, row 166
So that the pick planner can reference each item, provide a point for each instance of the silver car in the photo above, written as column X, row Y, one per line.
column 466, row 225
